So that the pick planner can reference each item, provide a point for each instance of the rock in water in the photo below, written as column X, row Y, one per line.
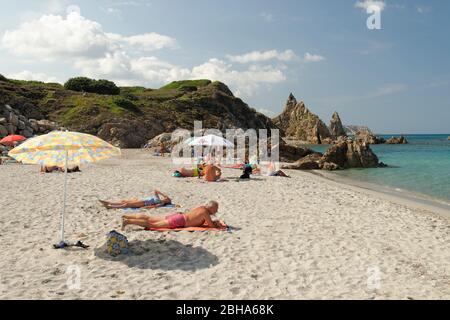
column 297, row 122
column 349, row 154
column 336, row 127
column 368, row 137
column 397, row 140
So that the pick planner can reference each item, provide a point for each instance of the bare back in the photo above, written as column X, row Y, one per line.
column 198, row 217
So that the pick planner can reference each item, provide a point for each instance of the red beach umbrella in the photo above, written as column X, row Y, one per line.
column 10, row 140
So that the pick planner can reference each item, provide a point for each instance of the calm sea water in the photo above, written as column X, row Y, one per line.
column 422, row 166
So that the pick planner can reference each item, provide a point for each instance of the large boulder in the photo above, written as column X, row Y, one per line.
column 45, row 126
column 368, row 137
column 397, row 140
column 297, row 122
column 129, row 134
column 349, row 154
column 309, row 162
column 291, row 153
column 336, row 128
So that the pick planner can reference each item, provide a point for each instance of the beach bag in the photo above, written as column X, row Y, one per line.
column 116, row 244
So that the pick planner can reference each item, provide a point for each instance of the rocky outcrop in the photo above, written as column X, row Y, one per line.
column 309, row 162
column 336, row 128
column 297, row 122
column 130, row 134
column 397, row 140
column 368, row 138
column 349, row 154
column 12, row 121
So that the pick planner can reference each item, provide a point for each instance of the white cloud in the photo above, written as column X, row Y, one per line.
column 366, row 4
column 83, row 45
column 258, row 56
column 28, row 75
column 312, row 57
column 267, row 16
column 54, row 36
column 423, row 10
column 242, row 82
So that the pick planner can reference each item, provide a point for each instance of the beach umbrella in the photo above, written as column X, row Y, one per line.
column 63, row 149
column 10, row 140
column 211, row 141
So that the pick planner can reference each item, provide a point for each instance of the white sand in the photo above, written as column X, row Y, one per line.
column 297, row 238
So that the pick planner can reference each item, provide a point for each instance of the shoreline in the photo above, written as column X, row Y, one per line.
column 403, row 197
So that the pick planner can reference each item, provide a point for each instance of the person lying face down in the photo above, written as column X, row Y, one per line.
column 159, row 199
column 197, row 217
column 190, row 173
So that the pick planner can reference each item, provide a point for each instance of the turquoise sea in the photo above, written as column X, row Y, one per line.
column 421, row 167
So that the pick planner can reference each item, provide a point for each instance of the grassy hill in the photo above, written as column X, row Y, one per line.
column 137, row 114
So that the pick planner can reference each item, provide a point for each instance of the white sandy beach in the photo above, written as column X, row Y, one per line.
column 299, row 238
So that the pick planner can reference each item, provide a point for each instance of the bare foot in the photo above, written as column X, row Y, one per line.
column 104, row 203
column 124, row 224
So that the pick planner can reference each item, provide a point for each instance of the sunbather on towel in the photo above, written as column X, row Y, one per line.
column 190, row 173
column 197, row 217
column 158, row 200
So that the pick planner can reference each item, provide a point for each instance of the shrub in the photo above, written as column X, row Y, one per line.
column 83, row 84
column 127, row 105
column 3, row 78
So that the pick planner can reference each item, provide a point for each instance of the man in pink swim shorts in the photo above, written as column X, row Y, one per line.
column 197, row 217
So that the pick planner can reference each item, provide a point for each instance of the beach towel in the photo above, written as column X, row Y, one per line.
column 204, row 228
column 138, row 209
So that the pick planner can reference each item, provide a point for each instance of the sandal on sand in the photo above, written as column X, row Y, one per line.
column 63, row 245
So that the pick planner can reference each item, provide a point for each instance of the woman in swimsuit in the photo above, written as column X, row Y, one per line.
column 158, row 200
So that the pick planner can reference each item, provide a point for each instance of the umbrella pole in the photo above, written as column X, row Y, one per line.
column 65, row 196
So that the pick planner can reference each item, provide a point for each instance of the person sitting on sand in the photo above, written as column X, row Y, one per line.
column 248, row 170
column 190, row 173
column 212, row 173
column 158, row 200
column 197, row 217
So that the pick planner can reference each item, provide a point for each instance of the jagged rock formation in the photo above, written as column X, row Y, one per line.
column 297, row 122
column 349, row 154
column 397, row 140
column 12, row 121
column 336, row 128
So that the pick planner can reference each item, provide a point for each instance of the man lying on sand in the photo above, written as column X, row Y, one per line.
column 197, row 217
column 158, row 200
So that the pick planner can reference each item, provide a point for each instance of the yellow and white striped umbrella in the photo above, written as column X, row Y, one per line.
column 63, row 149
column 51, row 149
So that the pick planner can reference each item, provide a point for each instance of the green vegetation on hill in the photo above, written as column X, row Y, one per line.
column 180, row 85
column 136, row 114
column 83, row 84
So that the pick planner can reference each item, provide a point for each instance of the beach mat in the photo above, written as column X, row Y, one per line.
column 223, row 227
column 140, row 209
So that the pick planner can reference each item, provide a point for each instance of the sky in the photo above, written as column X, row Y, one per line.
column 394, row 78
